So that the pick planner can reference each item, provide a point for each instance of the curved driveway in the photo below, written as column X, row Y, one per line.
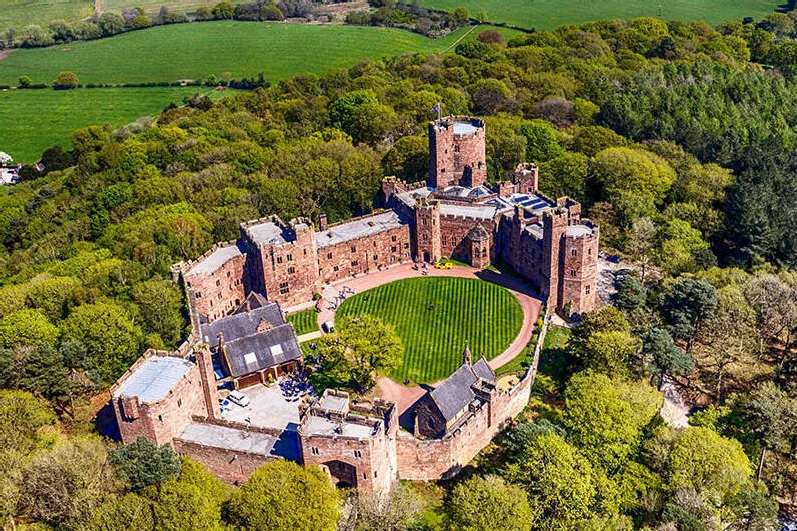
column 406, row 396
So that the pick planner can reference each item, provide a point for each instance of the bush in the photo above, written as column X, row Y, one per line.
column 65, row 81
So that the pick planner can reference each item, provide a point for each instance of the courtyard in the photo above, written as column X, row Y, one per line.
column 435, row 317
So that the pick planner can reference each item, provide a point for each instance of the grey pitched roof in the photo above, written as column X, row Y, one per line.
column 455, row 393
column 241, row 324
column 478, row 233
column 262, row 350
column 482, row 369
column 252, row 301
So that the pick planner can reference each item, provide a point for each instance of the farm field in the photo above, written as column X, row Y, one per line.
column 549, row 14
column 435, row 317
column 19, row 14
column 304, row 322
column 33, row 120
column 243, row 49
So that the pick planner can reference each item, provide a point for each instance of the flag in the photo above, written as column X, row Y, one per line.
column 436, row 108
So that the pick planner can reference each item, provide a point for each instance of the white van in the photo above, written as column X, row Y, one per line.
column 239, row 398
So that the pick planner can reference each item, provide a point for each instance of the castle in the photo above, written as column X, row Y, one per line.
column 453, row 215
column 240, row 338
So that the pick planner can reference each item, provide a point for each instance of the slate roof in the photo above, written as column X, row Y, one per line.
column 482, row 369
column 215, row 260
column 253, row 301
column 359, row 228
column 455, row 393
column 241, row 324
column 154, row 378
column 262, row 350
column 246, row 350
column 478, row 234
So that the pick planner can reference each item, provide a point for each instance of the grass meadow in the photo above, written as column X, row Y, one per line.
column 33, row 120
column 20, row 14
column 549, row 14
column 436, row 316
column 192, row 51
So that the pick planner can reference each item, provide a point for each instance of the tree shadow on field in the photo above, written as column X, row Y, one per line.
column 788, row 6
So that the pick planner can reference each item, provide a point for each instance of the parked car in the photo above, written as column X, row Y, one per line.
column 239, row 398
column 444, row 264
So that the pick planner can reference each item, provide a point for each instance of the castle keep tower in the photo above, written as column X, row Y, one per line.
column 457, row 153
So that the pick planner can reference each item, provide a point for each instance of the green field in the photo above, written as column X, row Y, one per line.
column 33, row 120
column 436, row 316
column 549, row 14
column 304, row 322
column 20, row 14
column 192, row 51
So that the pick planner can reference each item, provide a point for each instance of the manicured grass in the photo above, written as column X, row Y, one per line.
column 192, row 51
column 549, row 14
column 435, row 317
column 33, row 120
column 519, row 363
column 304, row 322
column 20, row 14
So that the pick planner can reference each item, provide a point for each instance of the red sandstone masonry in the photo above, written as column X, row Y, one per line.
column 230, row 466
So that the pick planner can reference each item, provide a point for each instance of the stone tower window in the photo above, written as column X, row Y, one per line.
column 291, row 270
column 573, row 273
column 456, row 149
column 425, row 237
column 573, row 252
column 586, row 290
column 314, row 450
column 357, row 453
column 284, row 288
column 289, row 257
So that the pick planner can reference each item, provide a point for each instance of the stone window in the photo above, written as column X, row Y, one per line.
column 357, row 453
column 573, row 273
column 179, row 402
column 228, row 274
column 374, row 473
column 160, row 418
column 198, row 295
column 289, row 258
column 291, row 270
column 219, row 296
column 586, row 289
column 406, row 245
column 393, row 249
column 218, row 283
column 314, row 450
column 335, row 268
column 353, row 249
column 393, row 238
column 354, row 263
column 365, row 475
column 443, row 240
column 279, row 259
column 573, row 252
column 456, row 149
column 426, row 237
column 423, row 221
column 284, row 288
column 376, row 257
column 484, row 253
column 329, row 256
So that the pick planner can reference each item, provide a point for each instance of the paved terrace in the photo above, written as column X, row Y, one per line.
column 404, row 396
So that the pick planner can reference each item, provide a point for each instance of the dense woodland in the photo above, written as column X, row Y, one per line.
column 678, row 138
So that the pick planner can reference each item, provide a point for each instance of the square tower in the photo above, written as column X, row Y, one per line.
column 457, row 155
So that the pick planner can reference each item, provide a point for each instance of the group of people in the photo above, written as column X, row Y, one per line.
column 343, row 294
column 296, row 385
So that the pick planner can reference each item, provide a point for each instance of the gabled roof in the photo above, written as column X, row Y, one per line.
column 261, row 350
column 253, row 301
column 242, row 324
column 455, row 392
column 482, row 369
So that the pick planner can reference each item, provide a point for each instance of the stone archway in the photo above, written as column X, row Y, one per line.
column 344, row 475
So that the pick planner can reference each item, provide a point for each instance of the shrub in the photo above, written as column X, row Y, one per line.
column 65, row 81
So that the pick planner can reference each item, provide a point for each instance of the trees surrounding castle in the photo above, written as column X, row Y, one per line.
column 678, row 147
